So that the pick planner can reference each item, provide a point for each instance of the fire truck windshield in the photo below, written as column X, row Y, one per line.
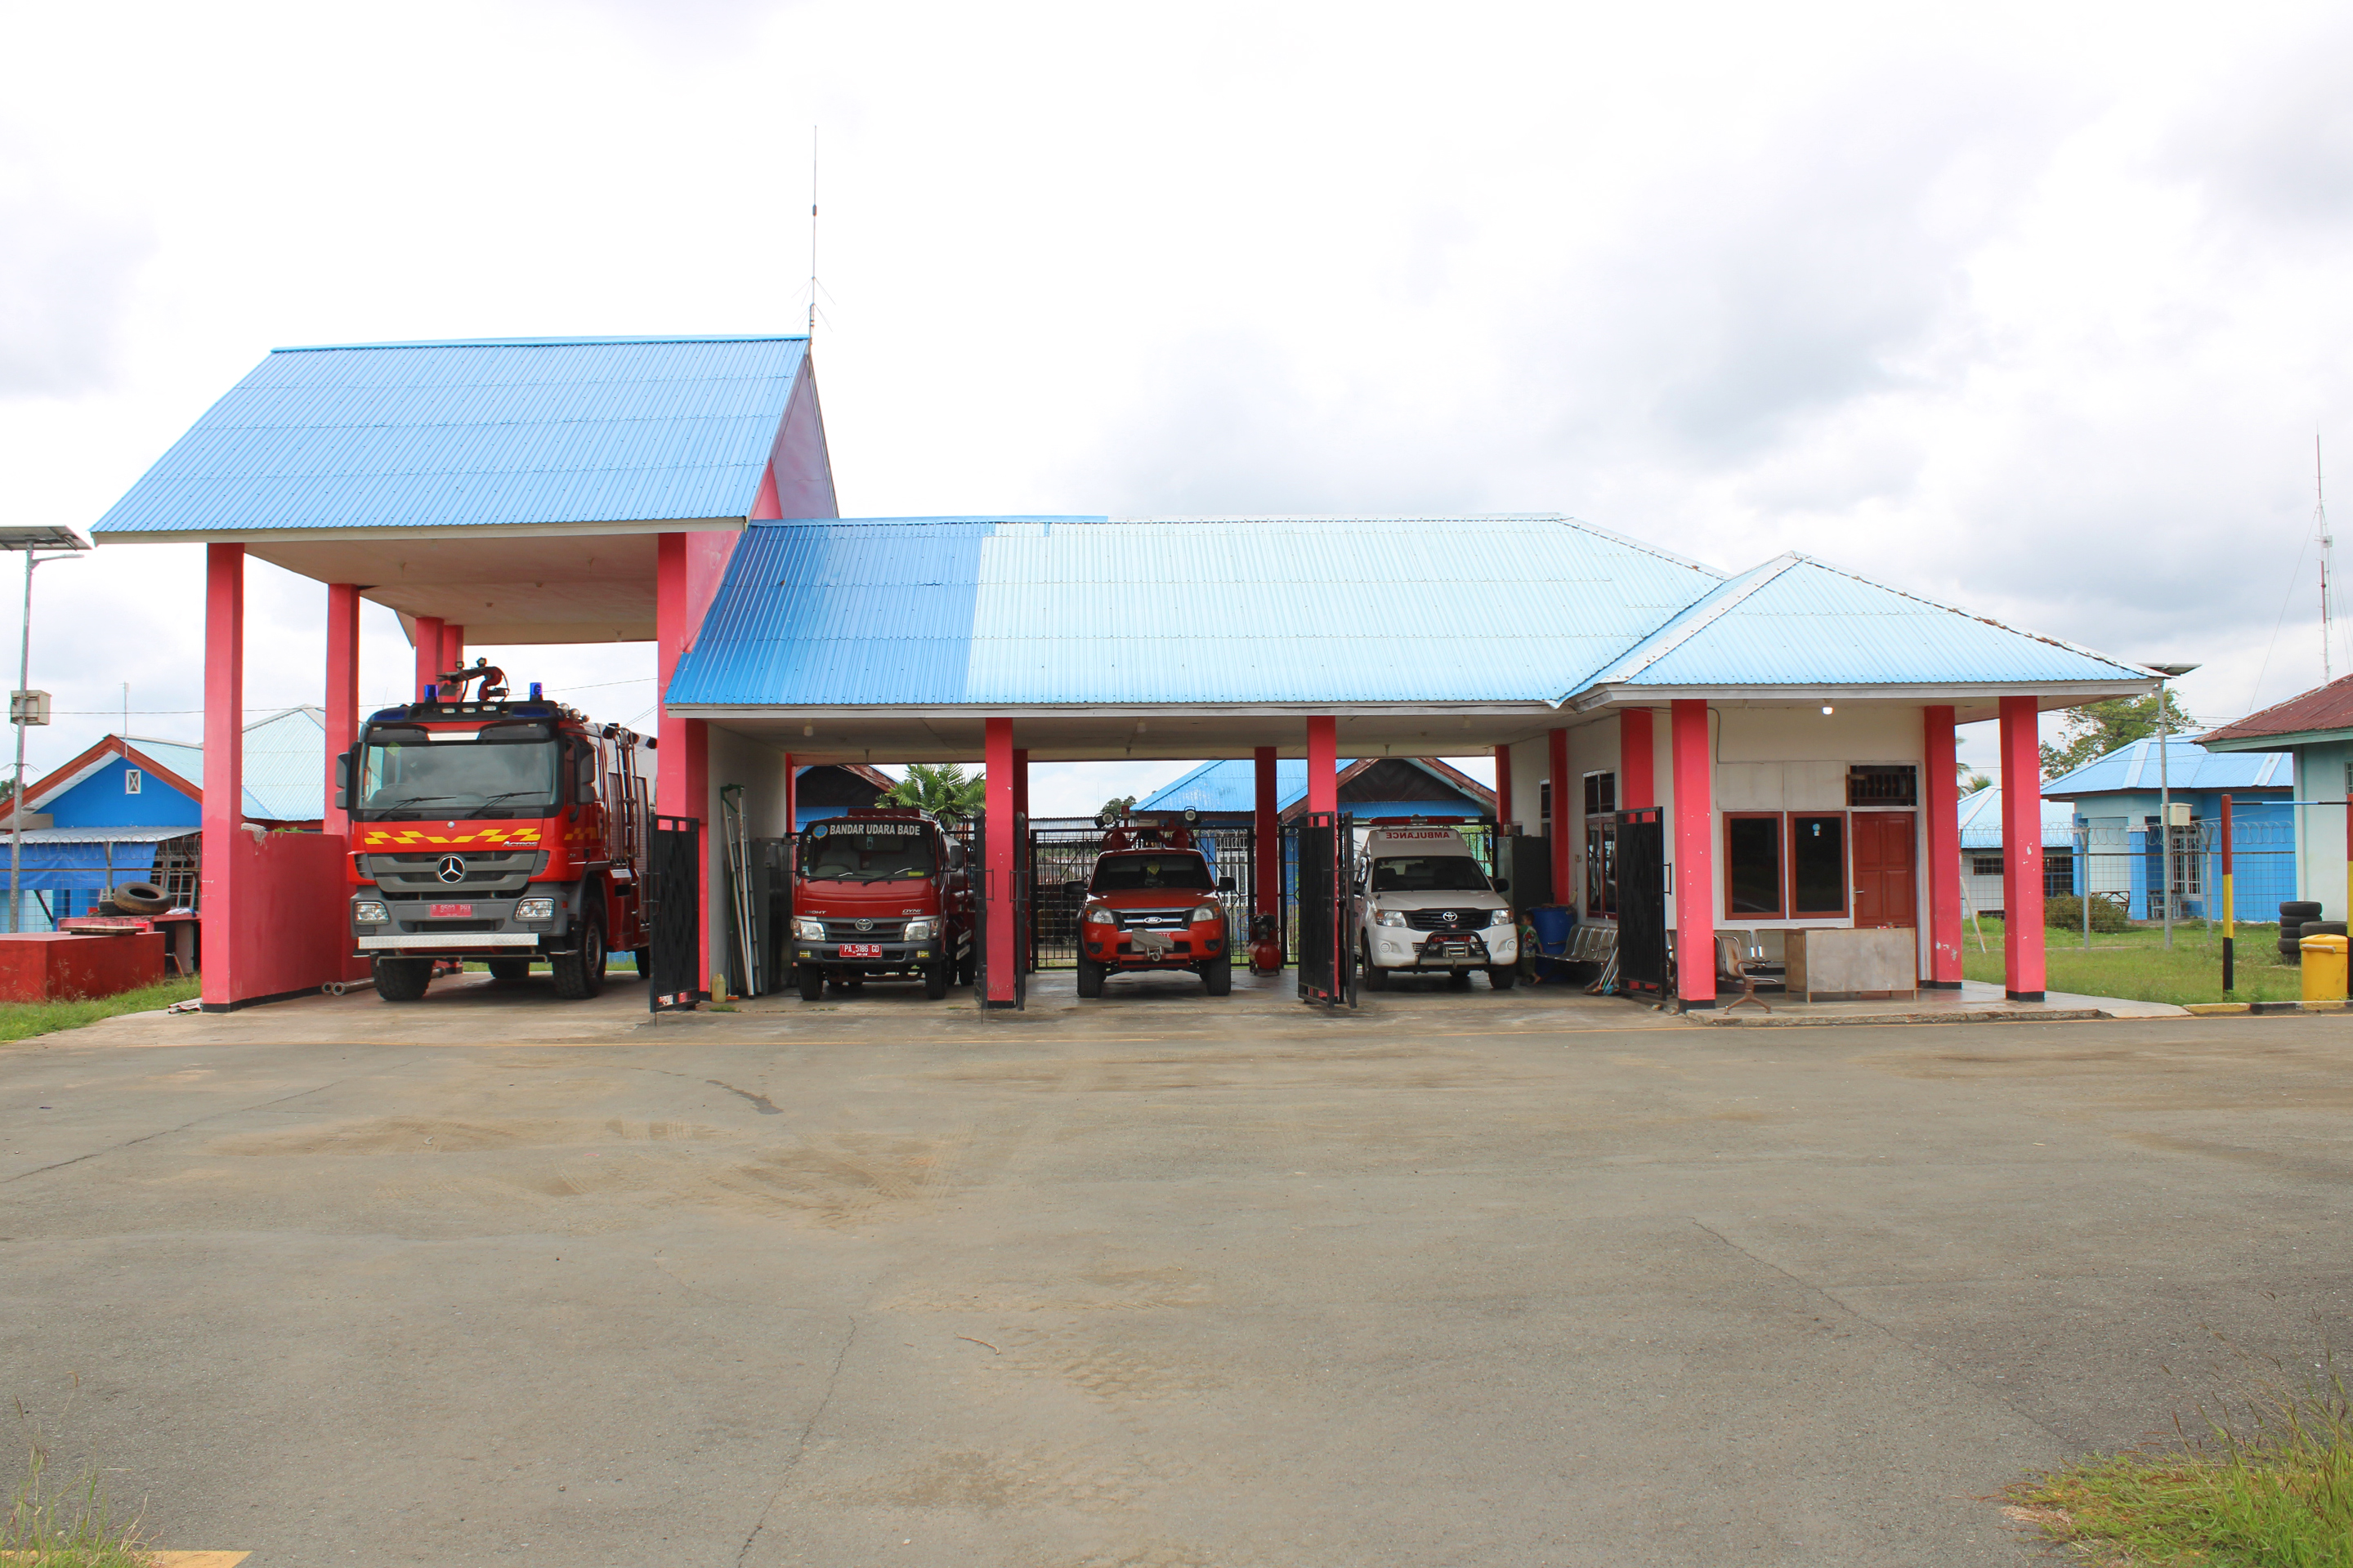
column 410, row 779
column 1151, row 873
column 853, row 851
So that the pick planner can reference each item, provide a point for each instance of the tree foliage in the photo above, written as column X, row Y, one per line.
column 2098, row 728
column 942, row 789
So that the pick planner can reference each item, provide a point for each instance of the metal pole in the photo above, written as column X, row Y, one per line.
column 2165, row 811
column 2230, row 913
column 2083, row 885
column 17, row 799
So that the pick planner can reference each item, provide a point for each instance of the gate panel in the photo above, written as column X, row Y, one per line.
column 674, row 901
column 1327, row 960
column 1642, row 902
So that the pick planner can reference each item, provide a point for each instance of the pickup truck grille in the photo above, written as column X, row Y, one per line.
column 1447, row 919
column 490, row 872
column 873, row 931
column 1154, row 920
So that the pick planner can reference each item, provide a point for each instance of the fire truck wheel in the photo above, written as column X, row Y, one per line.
column 1502, row 976
column 1375, row 979
column 580, row 975
column 936, row 979
column 1217, row 976
column 1091, row 978
column 403, row 979
column 644, row 956
column 811, row 981
column 1458, row 980
column 510, row 968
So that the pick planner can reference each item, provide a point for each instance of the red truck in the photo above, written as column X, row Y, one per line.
column 499, row 830
column 1152, row 904
column 881, row 893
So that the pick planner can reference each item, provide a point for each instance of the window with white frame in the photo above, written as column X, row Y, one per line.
column 131, row 781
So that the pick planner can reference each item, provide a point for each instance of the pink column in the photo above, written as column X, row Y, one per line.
column 453, row 646
column 998, row 859
column 1941, row 801
column 2021, row 848
column 1322, row 764
column 1694, row 841
column 1021, row 815
column 1502, row 786
column 792, row 797
column 1564, row 817
column 681, row 770
column 1266, row 834
column 427, row 636
column 226, row 878
column 1638, row 785
column 342, row 706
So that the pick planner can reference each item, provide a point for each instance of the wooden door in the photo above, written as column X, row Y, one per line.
column 1885, row 891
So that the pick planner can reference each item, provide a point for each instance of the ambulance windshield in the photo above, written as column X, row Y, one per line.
column 1428, row 874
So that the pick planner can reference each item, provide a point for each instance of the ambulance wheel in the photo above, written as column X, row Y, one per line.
column 1218, row 975
column 581, row 974
column 935, row 980
column 510, row 968
column 403, row 979
column 1375, row 979
column 811, row 981
column 1502, row 976
column 1091, row 978
column 1458, row 980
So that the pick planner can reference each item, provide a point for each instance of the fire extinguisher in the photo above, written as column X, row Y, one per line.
column 1266, row 945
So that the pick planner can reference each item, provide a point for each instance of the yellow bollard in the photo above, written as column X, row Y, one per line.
column 2324, row 968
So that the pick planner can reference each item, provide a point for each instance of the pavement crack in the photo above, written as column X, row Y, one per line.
column 792, row 1465
column 766, row 1106
column 167, row 1131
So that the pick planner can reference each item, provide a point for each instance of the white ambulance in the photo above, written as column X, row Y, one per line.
column 1423, row 906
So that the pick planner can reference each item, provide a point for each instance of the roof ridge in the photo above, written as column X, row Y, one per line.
column 1646, row 548
column 1739, row 587
column 547, row 342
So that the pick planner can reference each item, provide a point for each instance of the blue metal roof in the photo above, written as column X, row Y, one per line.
column 512, row 431
column 285, row 764
column 1796, row 622
column 1980, row 815
column 2187, row 764
column 1011, row 612
column 1231, row 787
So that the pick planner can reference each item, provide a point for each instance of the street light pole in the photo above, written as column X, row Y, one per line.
column 29, row 540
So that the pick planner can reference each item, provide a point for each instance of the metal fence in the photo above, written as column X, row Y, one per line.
column 2138, row 870
column 1064, row 859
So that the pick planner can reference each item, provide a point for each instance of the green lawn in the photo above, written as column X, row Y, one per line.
column 22, row 1020
column 2134, row 964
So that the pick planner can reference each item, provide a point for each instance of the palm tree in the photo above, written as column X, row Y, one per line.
column 944, row 790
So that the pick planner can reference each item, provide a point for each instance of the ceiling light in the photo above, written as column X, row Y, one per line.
column 1826, row 708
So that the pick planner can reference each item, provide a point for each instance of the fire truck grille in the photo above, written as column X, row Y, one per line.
column 873, row 931
column 1446, row 920
column 492, row 871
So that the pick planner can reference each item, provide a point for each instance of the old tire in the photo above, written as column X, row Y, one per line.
column 1091, row 978
column 403, row 979
column 2322, row 928
column 1375, row 979
column 936, row 979
column 1218, row 975
column 510, row 968
column 581, row 974
column 147, row 898
column 810, row 980
column 2293, row 912
column 1502, row 976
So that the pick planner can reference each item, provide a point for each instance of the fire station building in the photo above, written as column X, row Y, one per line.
column 1770, row 750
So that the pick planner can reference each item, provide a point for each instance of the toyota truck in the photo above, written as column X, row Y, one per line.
column 879, row 893
column 1423, row 905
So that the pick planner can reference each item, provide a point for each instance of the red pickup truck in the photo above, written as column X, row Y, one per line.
column 1154, row 908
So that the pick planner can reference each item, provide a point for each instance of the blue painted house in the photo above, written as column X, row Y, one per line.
column 2114, row 803
column 2315, row 728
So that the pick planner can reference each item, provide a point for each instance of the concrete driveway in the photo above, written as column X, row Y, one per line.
column 1464, row 1278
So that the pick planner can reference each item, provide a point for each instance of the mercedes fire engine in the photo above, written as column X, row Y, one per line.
column 1152, row 904
column 486, row 828
column 880, row 892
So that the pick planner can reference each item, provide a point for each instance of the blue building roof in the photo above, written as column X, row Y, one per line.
column 285, row 775
column 2188, row 767
column 1981, row 815
column 1231, row 787
column 1794, row 621
column 508, row 431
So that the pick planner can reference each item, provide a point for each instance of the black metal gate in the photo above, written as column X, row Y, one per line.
column 1327, row 960
column 1063, row 858
column 1642, row 966
column 992, row 902
column 673, row 903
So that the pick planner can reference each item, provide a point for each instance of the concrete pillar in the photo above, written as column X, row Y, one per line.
column 427, row 637
column 1029, row 935
column 2021, row 848
column 1638, row 784
column 223, row 887
column 1940, row 800
column 1503, row 786
column 1322, row 764
column 1694, row 854
column 1266, row 834
column 1565, row 812
column 453, row 646
column 792, row 797
column 342, row 701
column 998, row 862
column 682, row 759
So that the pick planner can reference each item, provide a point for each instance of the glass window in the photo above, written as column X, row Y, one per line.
column 1752, row 865
column 1817, row 864
column 1985, row 864
column 1600, row 794
column 1881, row 784
column 404, row 776
column 2059, row 873
column 1151, row 873
column 1428, row 874
column 851, row 850
column 131, row 781
column 1601, row 866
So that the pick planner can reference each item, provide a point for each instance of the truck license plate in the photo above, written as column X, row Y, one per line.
column 862, row 949
column 447, row 912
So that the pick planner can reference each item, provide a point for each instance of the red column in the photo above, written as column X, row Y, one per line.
column 1638, row 784
column 225, row 880
column 1322, row 764
column 996, row 857
column 453, row 646
column 792, row 797
column 1266, row 835
column 1941, row 801
column 427, row 637
column 1694, row 841
column 342, row 704
column 1502, row 786
column 2021, row 850
column 681, row 762
column 1021, row 825
column 1564, row 815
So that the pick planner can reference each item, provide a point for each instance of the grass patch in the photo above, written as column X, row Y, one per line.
column 2134, row 963
column 22, row 1020
column 64, row 1524
column 2268, row 1484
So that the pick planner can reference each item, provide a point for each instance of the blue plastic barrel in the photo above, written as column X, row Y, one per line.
column 1553, row 922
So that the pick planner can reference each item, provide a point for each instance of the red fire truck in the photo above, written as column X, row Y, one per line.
column 880, row 892
column 1152, row 904
column 499, row 830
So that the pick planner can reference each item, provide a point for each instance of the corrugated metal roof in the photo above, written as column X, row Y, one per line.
column 2316, row 714
column 1231, row 786
column 1794, row 621
column 507, row 431
column 2187, row 764
column 1980, row 816
column 1058, row 611
column 285, row 764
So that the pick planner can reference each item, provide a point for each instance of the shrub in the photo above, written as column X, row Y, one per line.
column 2066, row 912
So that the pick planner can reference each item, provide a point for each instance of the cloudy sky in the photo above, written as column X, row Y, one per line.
column 2036, row 309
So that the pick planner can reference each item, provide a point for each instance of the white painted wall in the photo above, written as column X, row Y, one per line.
column 763, row 772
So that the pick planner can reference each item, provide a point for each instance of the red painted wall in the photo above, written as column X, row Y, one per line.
column 2022, row 847
column 55, row 966
column 289, row 928
column 1694, row 853
column 1941, row 800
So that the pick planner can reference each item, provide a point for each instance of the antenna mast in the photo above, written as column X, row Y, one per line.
column 2320, row 527
column 812, row 312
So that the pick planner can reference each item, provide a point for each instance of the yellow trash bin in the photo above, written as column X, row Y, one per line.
column 2324, row 968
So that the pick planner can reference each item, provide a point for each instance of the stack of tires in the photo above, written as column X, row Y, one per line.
column 2300, row 917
